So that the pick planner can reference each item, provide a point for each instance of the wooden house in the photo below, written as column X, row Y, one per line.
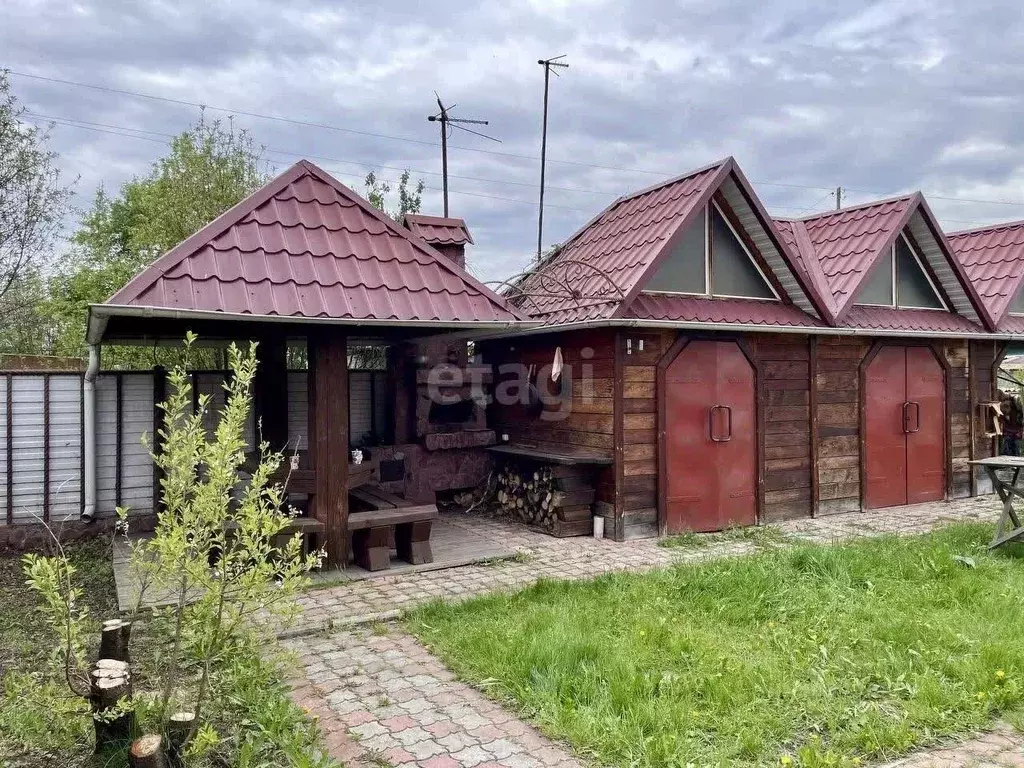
column 731, row 369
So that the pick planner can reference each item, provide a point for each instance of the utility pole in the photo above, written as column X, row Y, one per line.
column 549, row 67
column 839, row 198
column 447, row 120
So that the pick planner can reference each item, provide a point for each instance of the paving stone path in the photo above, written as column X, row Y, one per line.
column 382, row 699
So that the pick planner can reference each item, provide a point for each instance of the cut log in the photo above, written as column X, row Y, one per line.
column 179, row 730
column 114, row 638
column 110, row 683
column 148, row 752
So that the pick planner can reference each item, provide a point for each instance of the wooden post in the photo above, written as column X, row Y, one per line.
column 270, row 401
column 328, row 440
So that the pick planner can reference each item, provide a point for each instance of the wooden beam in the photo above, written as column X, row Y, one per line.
column 812, row 399
column 328, row 440
column 270, row 391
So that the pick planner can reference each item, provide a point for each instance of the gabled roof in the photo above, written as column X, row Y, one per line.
column 305, row 246
column 838, row 250
column 993, row 258
column 438, row 230
column 607, row 262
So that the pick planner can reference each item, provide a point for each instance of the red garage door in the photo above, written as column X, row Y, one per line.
column 905, row 420
column 710, row 439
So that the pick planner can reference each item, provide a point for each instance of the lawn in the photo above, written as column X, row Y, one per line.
column 259, row 723
column 810, row 655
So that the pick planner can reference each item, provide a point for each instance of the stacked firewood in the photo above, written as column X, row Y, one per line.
column 556, row 499
column 528, row 495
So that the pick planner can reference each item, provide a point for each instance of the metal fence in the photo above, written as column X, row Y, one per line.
column 42, row 443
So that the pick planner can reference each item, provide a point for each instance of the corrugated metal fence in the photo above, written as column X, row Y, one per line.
column 42, row 459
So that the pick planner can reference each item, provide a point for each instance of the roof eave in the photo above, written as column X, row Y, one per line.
column 99, row 314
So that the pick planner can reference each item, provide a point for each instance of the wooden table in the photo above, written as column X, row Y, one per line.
column 1009, row 528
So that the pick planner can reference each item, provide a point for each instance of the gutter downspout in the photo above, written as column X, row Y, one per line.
column 89, row 401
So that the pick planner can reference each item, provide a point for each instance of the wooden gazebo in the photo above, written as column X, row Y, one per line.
column 305, row 259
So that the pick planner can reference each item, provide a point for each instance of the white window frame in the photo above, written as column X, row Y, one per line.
column 707, row 263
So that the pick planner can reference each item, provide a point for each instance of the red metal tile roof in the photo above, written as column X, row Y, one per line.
column 438, row 230
column 838, row 249
column 697, row 309
column 847, row 243
column 306, row 246
column 993, row 258
column 607, row 262
column 908, row 320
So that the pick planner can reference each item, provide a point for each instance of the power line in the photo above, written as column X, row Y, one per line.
column 134, row 133
column 325, row 126
column 74, row 124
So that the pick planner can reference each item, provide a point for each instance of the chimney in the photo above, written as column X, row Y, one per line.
column 448, row 236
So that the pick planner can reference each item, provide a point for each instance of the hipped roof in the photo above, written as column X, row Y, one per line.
column 306, row 247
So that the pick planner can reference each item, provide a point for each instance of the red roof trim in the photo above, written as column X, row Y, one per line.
column 987, row 319
column 809, row 290
column 814, row 271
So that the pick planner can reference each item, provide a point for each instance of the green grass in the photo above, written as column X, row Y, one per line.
column 257, row 720
column 810, row 655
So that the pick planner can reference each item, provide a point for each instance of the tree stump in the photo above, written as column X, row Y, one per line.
column 110, row 682
column 114, row 638
column 179, row 730
column 148, row 752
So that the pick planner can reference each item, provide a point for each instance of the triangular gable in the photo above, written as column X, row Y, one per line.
column 900, row 279
column 993, row 258
column 710, row 259
column 608, row 262
column 306, row 246
column 848, row 244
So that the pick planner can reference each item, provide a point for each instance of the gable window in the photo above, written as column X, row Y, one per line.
column 1017, row 305
column 710, row 259
column 899, row 279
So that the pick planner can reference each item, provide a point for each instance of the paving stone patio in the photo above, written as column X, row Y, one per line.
column 542, row 556
column 383, row 699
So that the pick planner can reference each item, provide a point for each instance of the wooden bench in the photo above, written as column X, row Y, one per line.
column 371, row 528
column 307, row 526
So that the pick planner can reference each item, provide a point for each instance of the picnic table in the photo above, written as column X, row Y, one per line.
column 1008, row 487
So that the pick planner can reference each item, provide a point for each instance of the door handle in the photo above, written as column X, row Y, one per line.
column 728, row 424
column 906, row 417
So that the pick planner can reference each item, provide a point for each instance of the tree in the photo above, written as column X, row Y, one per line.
column 209, row 168
column 33, row 203
column 222, row 561
column 409, row 200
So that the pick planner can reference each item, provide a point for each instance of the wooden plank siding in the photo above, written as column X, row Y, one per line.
column 579, row 413
column 984, row 359
column 784, row 399
column 639, row 404
column 959, row 413
column 837, row 394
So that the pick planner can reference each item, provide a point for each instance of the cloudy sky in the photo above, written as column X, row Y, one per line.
column 878, row 97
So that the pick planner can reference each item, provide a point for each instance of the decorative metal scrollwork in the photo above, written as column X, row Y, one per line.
column 563, row 280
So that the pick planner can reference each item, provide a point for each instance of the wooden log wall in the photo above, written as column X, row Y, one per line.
column 837, row 422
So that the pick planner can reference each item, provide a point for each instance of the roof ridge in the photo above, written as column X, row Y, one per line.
column 987, row 228
column 812, row 264
column 871, row 203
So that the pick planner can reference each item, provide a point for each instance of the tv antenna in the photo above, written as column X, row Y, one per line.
column 550, row 65
column 447, row 123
